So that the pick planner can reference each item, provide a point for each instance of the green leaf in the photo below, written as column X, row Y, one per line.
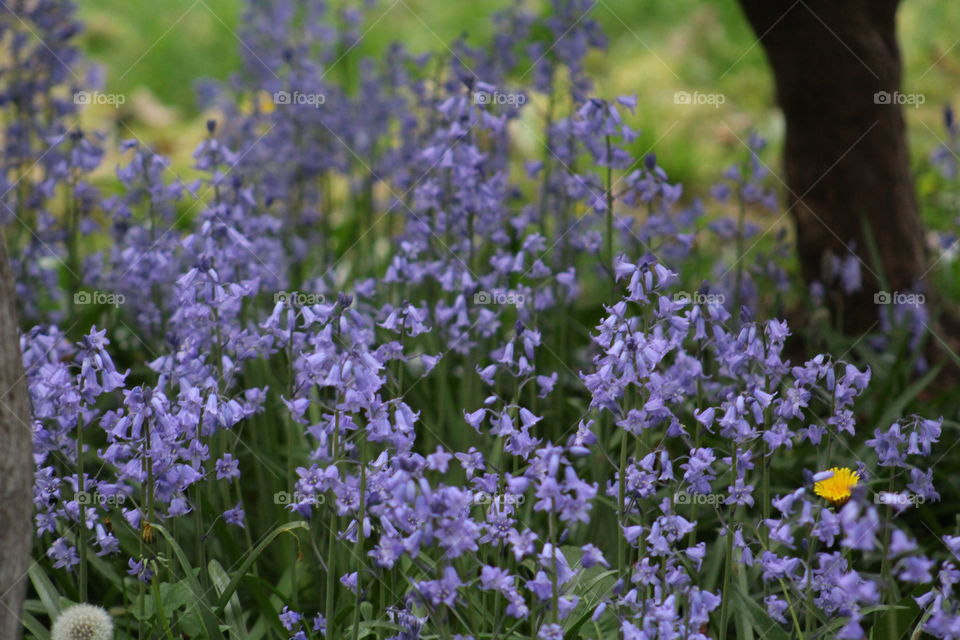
column 106, row 570
column 757, row 617
column 744, row 623
column 33, row 626
column 191, row 623
column 574, row 629
column 370, row 627
column 251, row 558
column 142, row 613
column 49, row 595
column 175, row 595
column 584, row 586
column 366, row 610
column 210, row 624
column 232, row 612
column 894, row 410
column 879, row 630
column 34, row 606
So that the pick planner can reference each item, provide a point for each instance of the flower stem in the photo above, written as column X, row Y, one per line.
column 82, row 538
column 332, row 547
column 609, row 194
column 359, row 548
column 554, row 590
column 885, row 569
column 728, row 568
column 622, row 501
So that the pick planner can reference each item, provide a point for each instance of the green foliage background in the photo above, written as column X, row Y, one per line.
column 657, row 47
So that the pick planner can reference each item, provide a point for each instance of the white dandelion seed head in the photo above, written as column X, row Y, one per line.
column 83, row 622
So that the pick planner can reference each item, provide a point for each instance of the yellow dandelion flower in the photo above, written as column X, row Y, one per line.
column 836, row 489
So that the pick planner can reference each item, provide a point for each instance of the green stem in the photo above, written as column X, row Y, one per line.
column 609, row 261
column 198, row 532
column 82, row 537
column 885, row 569
column 332, row 546
column 360, row 540
column 73, row 249
column 728, row 569
column 808, row 587
column 622, row 510
column 554, row 589
column 741, row 219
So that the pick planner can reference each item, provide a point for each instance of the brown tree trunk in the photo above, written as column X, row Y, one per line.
column 16, row 462
column 837, row 71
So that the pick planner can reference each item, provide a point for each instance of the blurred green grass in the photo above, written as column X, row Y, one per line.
column 657, row 48
column 165, row 48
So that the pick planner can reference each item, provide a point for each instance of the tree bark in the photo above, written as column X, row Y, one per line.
column 837, row 70
column 16, row 462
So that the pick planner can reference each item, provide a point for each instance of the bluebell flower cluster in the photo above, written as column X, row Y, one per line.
column 478, row 374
